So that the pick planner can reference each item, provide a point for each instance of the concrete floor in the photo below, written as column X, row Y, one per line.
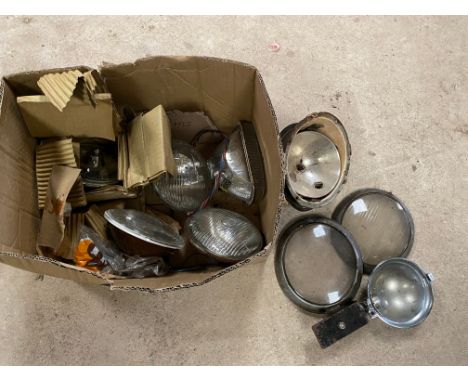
column 400, row 87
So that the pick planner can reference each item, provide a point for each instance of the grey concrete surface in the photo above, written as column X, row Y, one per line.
column 399, row 85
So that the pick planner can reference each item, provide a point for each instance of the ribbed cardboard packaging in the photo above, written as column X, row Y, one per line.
column 227, row 91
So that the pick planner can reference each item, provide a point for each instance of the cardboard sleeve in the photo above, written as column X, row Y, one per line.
column 52, row 228
column 147, row 149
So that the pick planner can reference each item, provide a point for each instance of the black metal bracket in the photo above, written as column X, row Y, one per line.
column 340, row 324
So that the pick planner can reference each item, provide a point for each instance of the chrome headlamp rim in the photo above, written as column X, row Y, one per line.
column 287, row 134
column 280, row 268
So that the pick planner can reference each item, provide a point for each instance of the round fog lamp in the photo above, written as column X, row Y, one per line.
column 399, row 293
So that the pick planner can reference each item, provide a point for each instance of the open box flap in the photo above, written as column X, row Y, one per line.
column 222, row 87
column 50, row 267
column 183, row 279
column 18, row 193
column 47, row 266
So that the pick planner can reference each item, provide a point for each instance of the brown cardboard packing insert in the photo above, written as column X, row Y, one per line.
column 227, row 91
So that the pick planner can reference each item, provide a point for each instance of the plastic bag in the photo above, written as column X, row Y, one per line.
column 97, row 254
column 139, row 267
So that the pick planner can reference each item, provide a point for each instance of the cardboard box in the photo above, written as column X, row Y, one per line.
column 226, row 91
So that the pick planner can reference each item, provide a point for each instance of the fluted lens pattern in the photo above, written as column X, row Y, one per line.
column 224, row 234
column 189, row 188
column 145, row 227
column 236, row 186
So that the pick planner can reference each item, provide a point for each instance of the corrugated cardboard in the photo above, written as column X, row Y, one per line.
column 60, row 87
column 25, row 83
column 79, row 119
column 149, row 148
column 95, row 219
column 69, row 107
column 50, row 154
column 226, row 91
column 52, row 228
